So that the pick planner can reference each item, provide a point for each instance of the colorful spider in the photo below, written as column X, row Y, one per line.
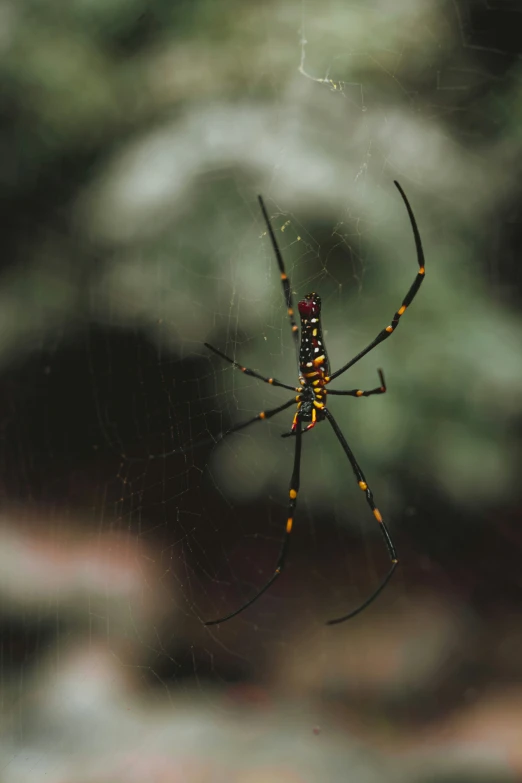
column 311, row 399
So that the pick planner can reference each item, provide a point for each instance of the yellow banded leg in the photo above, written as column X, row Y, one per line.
column 293, row 492
column 363, row 486
column 285, row 282
column 359, row 392
column 388, row 330
column 248, row 371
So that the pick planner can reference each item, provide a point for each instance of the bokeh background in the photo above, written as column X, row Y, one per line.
column 134, row 139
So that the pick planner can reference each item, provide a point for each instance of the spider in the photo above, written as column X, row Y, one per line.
column 311, row 399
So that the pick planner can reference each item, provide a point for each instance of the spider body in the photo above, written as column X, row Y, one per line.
column 313, row 364
column 314, row 378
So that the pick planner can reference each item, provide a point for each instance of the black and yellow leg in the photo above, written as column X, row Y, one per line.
column 293, row 491
column 314, row 417
column 388, row 330
column 287, row 291
column 359, row 392
column 262, row 416
column 296, row 416
column 252, row 373
column 363, row 485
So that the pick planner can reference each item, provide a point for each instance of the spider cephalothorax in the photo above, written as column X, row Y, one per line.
column 314, row 377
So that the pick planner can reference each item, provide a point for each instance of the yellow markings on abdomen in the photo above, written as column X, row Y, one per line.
column 363, row 485
column 289, row 523
column 293, row 494
column 377, row 515
column 402, row 310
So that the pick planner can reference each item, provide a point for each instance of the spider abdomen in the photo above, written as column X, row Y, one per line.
column 313, row 358
column 313, row 362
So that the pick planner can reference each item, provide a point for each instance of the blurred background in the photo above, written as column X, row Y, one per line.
column 134, row 139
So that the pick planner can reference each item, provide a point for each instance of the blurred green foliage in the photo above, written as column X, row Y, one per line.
column 137, row 135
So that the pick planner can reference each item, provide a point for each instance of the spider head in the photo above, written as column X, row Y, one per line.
column 310, row 306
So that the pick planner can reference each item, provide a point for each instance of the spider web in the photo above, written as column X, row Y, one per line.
column 211, row 275
column 128, row 521
column 207, row 272
column 213, row 491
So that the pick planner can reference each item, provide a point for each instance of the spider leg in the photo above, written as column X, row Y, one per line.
column 359, row 392
column 292, row 433
column 385, row 333
column 262, row 416
column 294, row 489
column 359, row 475
column 253, row 373
column 287, row 291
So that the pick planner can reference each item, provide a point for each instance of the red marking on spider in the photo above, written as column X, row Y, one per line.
column 309, row 308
